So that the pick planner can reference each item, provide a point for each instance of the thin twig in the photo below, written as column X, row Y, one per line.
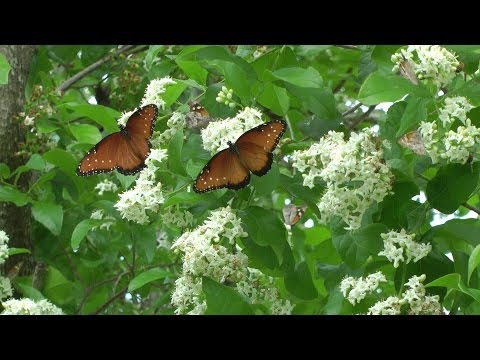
column 349, row 47
column 351, row 110
column 69, row 82
column 111, row 300
column 360, row 118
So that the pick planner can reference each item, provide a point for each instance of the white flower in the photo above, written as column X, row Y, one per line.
column 154, row 91
column 5, row 288
column 28, row 121
column 357, row 289
column 354, row 171
column 216, row 135
column 174, row 123
column 108, row 220
column 431, row 63
column 145, row 195
column 163, row 241
column 415, row 296
column 454, row 108
column 27, row 306
column 173, row 216
column 122, row 121
column 106, row 185
column 3, row 246
column 420, row 303
column 259, row 289
column 389, row 306
column 205, row 256
column 397, row 245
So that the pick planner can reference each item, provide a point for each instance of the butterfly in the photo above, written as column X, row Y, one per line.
column 198, row 117
column 252, row 152
column 292, row 213
column 406, row 70
column 125, row 150
column 413, row 141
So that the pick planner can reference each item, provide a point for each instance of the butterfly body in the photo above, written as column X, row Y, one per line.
column 125, row 150
column 252, row 152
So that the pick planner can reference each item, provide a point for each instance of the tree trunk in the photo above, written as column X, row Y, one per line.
column 15, row 221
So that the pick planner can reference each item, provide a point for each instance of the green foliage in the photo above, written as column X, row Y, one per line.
column 116, row 266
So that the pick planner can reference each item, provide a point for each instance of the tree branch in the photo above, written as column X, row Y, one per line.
column 342, row 82
column 351, row 110
column 111, row 300
column 69, row 82
column 357, row 120
column 349, row 47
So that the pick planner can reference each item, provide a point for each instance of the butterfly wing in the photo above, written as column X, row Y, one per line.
column 256, row 146
column 103, row 157
column 126, row 150
column 224, row 170
column 413, row 141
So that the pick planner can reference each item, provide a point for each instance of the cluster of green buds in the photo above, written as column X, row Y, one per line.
column 225, row 97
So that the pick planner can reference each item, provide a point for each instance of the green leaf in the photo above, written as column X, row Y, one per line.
column 224, row 300
column 61, row 158
column 354, row 248
column 15, row 251
column 30, row 292
column 379, row 88
column 187, row 61
column 415, row 112
column 452, row 186
column 321, row 102
column 103, row 115
column 309, row 78
column 267, row 183
column 82, row 228
column 9, row 193
column 4, row 70
column 35, row 162
column 4, row 171
column 175, row 153
column 147, row 277
column 454, row 281
column 275, row 98
column 183, row 198
column 473, row 261
column 85, row 133
column 298, row 281
column 151, row 54
column 265, row 228
column 466, row 230
column 172, row 93
column 49, row 215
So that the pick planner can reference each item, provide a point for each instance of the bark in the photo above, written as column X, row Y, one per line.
column 15, row 221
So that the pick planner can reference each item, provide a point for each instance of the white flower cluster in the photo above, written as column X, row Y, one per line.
column 415, row 296
column 154, row 91
column 29, row 307
column 29, row 121
column 5, row 288
column 174, row 216
column 397, row 245
column 259, row 289
column 3, row 246
column 175, row 122
column 357, row 289
column 106, row 185
column 354, row 171
column 216, row 135
column 420, row 303
column 108, row 220
column 431, row 63
column 441, row 142
column 146, row 194
column 205, row 256
column 122, row 121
